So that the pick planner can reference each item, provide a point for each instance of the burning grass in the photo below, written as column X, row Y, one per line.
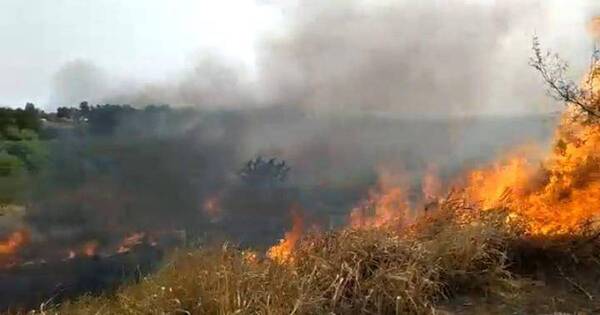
column 520, row 234
column 383, row 270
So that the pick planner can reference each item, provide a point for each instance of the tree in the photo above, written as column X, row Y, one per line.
column 264, row 172
column 64, row 112
column 84, row 108
column 104, row 119
column 28, row 118
column 585, row 96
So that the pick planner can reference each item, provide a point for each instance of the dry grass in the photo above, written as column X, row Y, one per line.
column 370, row 271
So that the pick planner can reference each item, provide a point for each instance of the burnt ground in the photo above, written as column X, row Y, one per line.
column 28, row 286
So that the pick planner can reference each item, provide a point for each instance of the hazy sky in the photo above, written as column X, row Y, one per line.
column 145, row 41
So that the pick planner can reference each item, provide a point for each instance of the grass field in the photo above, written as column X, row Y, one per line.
column 454, row 261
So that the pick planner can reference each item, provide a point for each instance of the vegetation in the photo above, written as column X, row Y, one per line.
column 462, row 258
column 32, row 142
column 424, row 270
column 264, row 172
column 21, row 151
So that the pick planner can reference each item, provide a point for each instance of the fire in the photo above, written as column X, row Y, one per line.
column 569, row 193
column 491, row 186
column 386, row 204
column 89, row 249
column 282, row 252
column 553, row 193
column 560, row 194
column 431, row 186
column 10, row 247
column 212, row 208
column 14, row 242
column 131, row 241
column 381, row 208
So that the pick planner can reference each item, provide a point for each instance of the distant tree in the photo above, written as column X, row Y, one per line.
column 7, row 119
column 103, row 119
column 261, row 172
column 28, row 118
column 64, row 112
column 84, row 108
column 30, row 108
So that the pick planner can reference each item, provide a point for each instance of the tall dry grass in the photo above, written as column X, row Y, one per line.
column 372, row 271
column 351, row 271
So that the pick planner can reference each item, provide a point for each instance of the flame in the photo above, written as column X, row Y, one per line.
column 491, row 186
column 131, row 241
column 559, row 195
column 14, row 242
column 431, row 186
column 212, row 207
column 553, row 193
column 282, row 252
column 386, row 204
column 89, row 249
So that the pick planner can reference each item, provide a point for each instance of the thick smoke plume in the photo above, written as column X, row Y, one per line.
column 344, row 90
column 412, row 58
column 176, row 170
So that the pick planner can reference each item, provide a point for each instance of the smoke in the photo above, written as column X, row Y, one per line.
column 421, row 58
column 212, row 81
column 594, row 28
column 343, row 89
column 303, row 101
column 77, row 81
column 409, row 58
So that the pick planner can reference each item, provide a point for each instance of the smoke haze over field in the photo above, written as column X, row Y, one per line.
column 296, row 88
column 277, row 109
column 417, row 58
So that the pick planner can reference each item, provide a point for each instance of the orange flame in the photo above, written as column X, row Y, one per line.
column 212, row 208
column 14, row 242
column 282, row 252
column 131, row 241
column 385, row 205
column 560, row 195
column 89, row 249
column 552, row 194
column 431, row 186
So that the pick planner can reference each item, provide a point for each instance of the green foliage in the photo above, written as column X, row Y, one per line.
column 31, row 153
column 10, row 164
column 13, row 180
column 12, row 121
column 21, row 151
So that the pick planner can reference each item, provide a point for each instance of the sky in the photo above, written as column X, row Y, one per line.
column 147, row 39
column 146, row 45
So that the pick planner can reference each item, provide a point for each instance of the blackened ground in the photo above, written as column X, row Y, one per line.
column 27, row 286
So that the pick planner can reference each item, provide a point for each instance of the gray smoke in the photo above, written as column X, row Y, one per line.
column 305, row 102
column 77, row 81
column 412, row 58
